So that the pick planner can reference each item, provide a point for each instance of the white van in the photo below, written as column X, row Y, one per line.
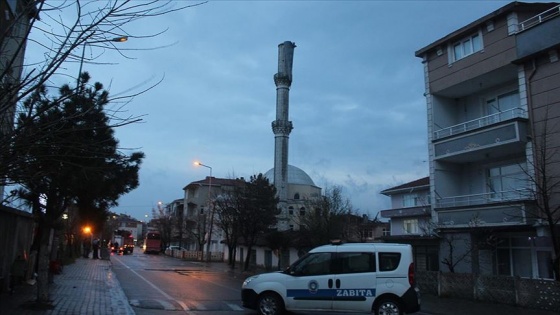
column 353, row 278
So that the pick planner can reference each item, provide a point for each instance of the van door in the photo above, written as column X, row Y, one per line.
column 355, row 281
column 307, row 287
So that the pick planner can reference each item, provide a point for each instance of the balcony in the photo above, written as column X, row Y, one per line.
column 540, row 18
column 486, row 198
column 496, row 141
column 480, row 122
column 538, row 34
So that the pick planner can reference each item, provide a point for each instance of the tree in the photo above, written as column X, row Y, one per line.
column 45, row 173
column 278, row 241
column 545, row 178
column 325, row 219
column 258, row 208
column 228, row 211
column 74, row 159
column 164, row 221
column 36, row 26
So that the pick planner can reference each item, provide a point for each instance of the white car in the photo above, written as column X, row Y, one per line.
column 353, row 278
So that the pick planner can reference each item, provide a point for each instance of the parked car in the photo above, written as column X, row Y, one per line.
column 353, row 278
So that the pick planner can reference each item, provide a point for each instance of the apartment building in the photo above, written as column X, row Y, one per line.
column 411, row 221
column 492, row 91
column 200, row 219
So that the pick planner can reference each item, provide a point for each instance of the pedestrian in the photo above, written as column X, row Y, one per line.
column 87, row 247
column 95, row 246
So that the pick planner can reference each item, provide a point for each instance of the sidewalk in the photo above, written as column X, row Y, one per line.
column 86, row 287
column 90, row 287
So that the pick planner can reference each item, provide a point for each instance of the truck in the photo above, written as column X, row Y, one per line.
column 122, row 242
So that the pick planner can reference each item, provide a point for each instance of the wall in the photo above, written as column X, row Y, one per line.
column 16, row 236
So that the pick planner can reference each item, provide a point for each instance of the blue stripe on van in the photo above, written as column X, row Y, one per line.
column 334, row 294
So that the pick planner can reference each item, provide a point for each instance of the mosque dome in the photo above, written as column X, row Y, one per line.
column 295, row 176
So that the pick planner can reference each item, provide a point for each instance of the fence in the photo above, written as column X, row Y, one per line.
column 195, row 255
column 529, row 293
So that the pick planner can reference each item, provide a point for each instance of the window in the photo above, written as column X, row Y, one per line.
column 355, row 262
column 467, row 46
column 302, row 211
column 312, row 264
column 415, row 200
column 504, row 182
column 528, row 257
column 296, row 196
column 389, row 261
column 502, row 103
column 410, row 226
column 291, row 210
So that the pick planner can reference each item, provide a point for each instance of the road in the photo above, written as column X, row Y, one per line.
column 159, row 285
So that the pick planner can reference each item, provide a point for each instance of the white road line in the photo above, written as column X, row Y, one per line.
column 183, row 305
column 235, row 307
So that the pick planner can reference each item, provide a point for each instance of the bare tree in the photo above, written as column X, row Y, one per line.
column 545, row 179
column 228, row 211
column 325, row 219
column 59, row 32
column 164, row 221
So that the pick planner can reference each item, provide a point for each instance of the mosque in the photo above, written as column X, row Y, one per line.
column 294, row 187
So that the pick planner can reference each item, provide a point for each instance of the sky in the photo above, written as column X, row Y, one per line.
column 356, row 100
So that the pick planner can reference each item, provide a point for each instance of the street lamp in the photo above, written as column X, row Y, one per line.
column 211, row 210
column 119, row 39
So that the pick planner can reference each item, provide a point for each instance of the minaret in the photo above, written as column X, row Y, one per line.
column 282, row 127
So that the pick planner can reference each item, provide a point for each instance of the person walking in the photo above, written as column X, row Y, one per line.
column 95, row 246
column 87, row 247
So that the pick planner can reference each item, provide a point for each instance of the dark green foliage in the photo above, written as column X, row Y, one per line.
column 67, row 153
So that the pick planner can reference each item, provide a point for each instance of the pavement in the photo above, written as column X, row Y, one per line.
column 89, row 286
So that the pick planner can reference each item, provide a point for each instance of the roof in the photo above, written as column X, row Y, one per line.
column 214, row 181
column 510, row 7
column 295, row 176
column 415, row 184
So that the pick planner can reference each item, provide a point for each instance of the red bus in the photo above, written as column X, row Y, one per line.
column 152, row 242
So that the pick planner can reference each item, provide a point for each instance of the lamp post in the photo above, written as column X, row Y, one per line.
column 211, row 210
column 116, row 40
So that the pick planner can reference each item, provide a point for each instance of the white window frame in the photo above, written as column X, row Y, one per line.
column 410, row 226
column 467, row 47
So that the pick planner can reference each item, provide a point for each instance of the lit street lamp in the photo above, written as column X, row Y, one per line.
column 116, row 40
column 211, row 210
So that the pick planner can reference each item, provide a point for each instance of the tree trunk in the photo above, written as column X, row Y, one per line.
column 43, row 265
column 247, row 259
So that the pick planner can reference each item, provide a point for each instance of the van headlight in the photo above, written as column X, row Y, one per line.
column 248, row 280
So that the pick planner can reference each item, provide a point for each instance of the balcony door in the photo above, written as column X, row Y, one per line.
column 506, row 182
column 501, row 104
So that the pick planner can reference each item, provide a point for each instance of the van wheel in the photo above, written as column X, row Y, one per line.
column 270, row 304
column 387, row 306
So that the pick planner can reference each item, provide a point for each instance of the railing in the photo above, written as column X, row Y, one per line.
column 480, row 199
column 537, row 19
column 480, row 122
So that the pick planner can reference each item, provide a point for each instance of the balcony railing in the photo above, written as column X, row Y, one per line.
column 486, row 198
column 537, row 19
column 481, row 122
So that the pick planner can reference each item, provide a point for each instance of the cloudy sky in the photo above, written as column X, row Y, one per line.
column 356, row 100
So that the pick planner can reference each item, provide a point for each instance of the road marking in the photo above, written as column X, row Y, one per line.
column 148, row 282
column 235, row 307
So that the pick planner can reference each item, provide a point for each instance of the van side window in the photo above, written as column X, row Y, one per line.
column 355, row 262
column 389, row 261
column 313, row 264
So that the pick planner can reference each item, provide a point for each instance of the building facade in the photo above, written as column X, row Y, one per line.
column 411, row 222
column 491, row 87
